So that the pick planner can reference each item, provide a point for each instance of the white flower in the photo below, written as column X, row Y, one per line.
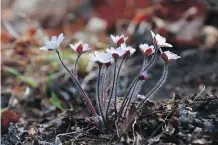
column 116, row 53
column 160, row 41
column 167, row 56
column 128, row 49
column 80, row 48
column 119, row 39
column 101, row 57
column 54, row 43
column 146, row 49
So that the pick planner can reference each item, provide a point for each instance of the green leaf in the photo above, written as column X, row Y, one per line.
column 13, row 71
column 29, row 80
column 55, row 101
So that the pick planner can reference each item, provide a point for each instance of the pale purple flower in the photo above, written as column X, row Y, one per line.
column 80, row 48
column 167, row 56
column 54, row 43
column 146, row 49
column 119, row 39
column 160, row 41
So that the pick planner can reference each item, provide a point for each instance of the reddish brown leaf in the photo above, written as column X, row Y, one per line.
column 129, row 119
column 7, row 117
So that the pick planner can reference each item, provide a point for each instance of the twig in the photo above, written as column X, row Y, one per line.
column 162, row 123
column 199, row 93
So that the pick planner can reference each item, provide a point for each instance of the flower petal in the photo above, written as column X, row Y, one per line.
column 113, row 38
column 152, row 34
column 167, row 45
column 85, row 47
column 44, row 48
column 53, row 45
column 60, row 39
column 92, row 56
column 47, row 42
column 54, row 38
column 73, row 47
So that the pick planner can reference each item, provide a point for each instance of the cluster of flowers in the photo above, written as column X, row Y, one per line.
column 106, row 97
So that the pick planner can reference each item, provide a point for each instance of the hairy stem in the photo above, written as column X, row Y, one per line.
column 98, row 93
column 126, row 98
column 75, row 66
column 85, row 97
column 112, row 91
column 157, row 86
column 145, row 61
column 104, row 93
column 117, row 77
column 151, row 62
column 130, row 98
column 138, row 88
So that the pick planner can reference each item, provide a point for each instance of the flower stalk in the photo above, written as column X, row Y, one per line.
column 75, row 65
column 104, row 91
column 98, row 96
column 157, row 86
column 117, row 77
column 151, row 62
column 85, row 97
column 130, row 98
column 112, row 92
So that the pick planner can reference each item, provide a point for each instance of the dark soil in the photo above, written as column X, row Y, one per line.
column 177, row 121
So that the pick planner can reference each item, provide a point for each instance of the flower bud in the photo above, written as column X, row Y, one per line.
column 143, row 76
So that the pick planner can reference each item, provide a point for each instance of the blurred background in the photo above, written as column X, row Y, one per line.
column 35, row 82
